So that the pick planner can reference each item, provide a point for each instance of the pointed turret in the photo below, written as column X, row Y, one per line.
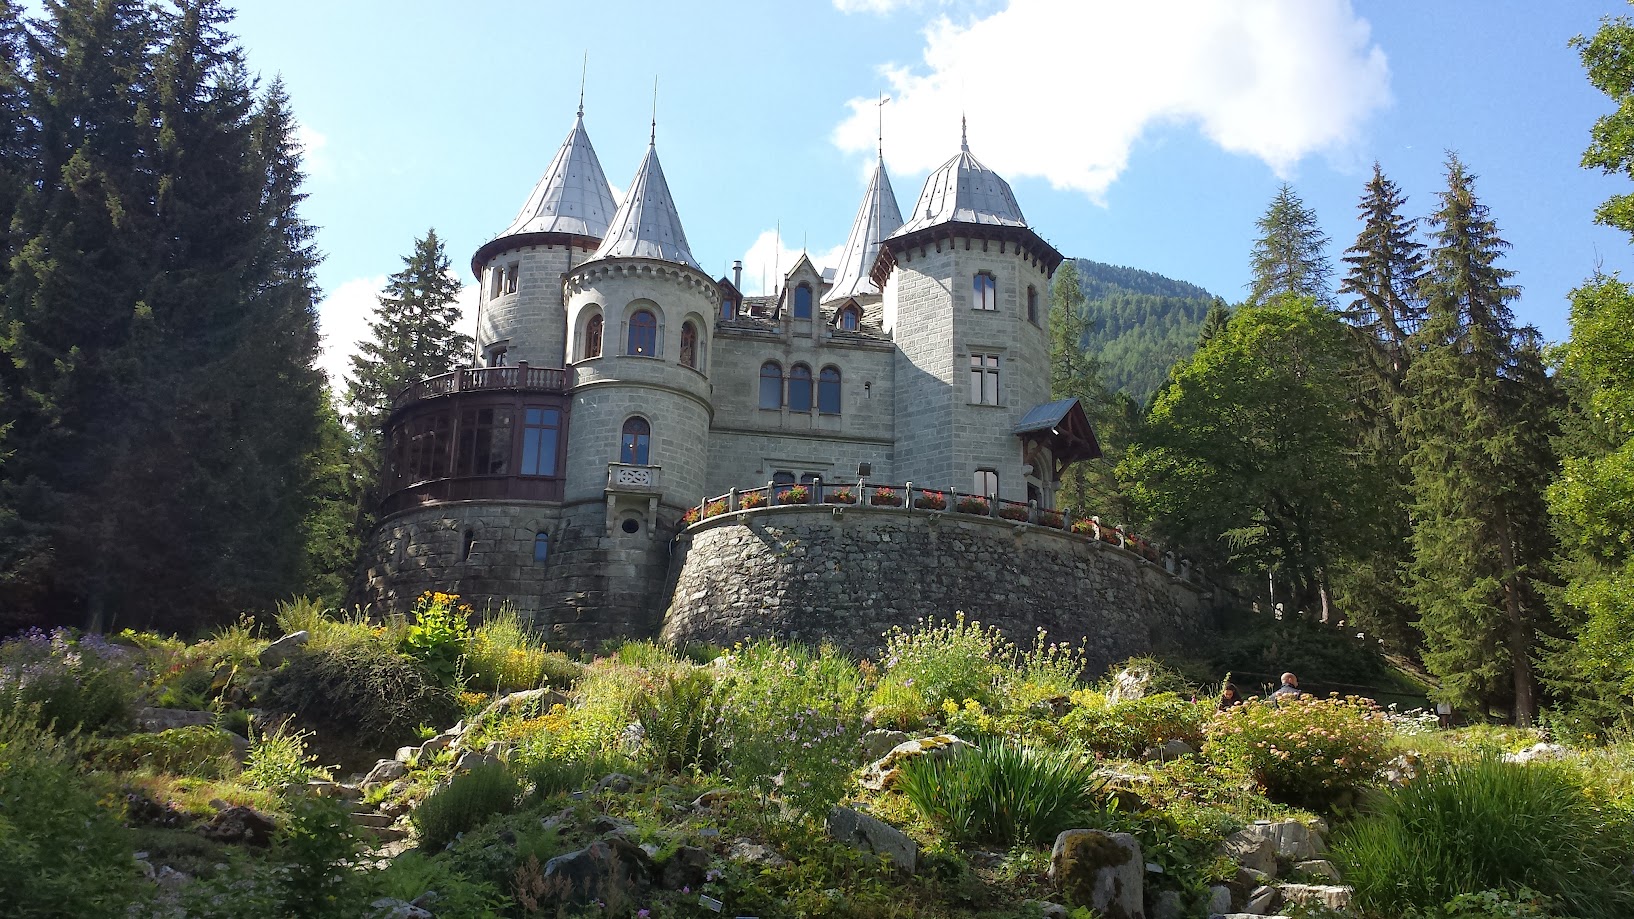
column 647, row 224
column 877, row 218
column 573, row 195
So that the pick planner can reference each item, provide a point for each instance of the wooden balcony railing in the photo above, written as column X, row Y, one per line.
column 470, row 379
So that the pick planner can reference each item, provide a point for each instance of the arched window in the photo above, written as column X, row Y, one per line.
column 1032, row 304
column 985, row 292
column 643, row 334
column 802, row 301
column 849, row 318
column 771, row 385
column 689, row 345
column 799, row 388
column 592, row 337
column 541, row 547
column 828, row 391
column 637, row 437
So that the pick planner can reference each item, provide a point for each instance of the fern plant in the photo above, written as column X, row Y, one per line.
column 678, row 718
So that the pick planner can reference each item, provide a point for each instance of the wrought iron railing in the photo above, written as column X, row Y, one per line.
column 471, row 379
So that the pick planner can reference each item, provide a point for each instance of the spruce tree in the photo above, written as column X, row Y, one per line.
column 1477, row 423
column 1290, row 255
column 1075, row 373
column 413, row 334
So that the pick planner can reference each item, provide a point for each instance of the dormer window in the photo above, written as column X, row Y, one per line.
column 802, row 301
column 849, row 319
column 729, row 308
column 984, row 295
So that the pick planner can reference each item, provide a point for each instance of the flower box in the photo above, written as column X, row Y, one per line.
column 931, row 501
column 843, row 496
column 714, row 508
column 1011, row 512
column 973, row 506
column 753, row 499
column 798, row 494
column 1051, row 519
column 690, row 517
column 1084, row 527
column 885, row 497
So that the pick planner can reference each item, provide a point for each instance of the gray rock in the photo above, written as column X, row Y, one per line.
column 1542, row 752
column 537, row 699
column 241, row 746
column 386, row 770
column 1330, row 896
column 1219, row 899
column 616, row 782
column 1261, row 901
column 407, row 755
column 1318, row 868
column 751, row 852
column 881, row 774
column 686, row 868
column 870, row 834
column 240, row 825
column 877, row 743
column 155, row 720
column 1103, row 871
column 597, row 870
column 1046, row 909
column 365, row 818
column 714, row 798
column 441, row 742
column 1290, row 840
column 282, row 649
column 1169, row 751
column 1168, row 906
column 1253, row 851
column 604, row 825
column 1130, row 683
column 471, row 759
column 389, row 908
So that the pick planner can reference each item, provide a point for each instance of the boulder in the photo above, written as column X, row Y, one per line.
column 471, row 759
column 1251, row 851
column 686, row 868
column 1169, row 751
column 604, row 870
column 240, row 825
column 714, row 798
column 1103, row 871
column 1262, row 900
column 882, row 773
column 751, row 852
column 1168, row 905
column 615, row 782
column 158, row 720
column 877, row 743
column 1290, row 840
column 1046, row 909
column 1328, row 896
column 870, row 834
column 1131, row 683
column 389, row 908
column 406, row 755
column 283, row 649
column 386, row 770
column 1542, row 752
column 540, row 699
column 1318, row 868
column 1219, row 899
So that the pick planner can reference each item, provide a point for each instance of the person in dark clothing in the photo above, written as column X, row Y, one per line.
column 1230, row 696
column 1288, row 689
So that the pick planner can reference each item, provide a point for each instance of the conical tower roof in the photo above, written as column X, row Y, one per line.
column 647, row 224
column 962, row 190
column 573, row 195
column 877, row 218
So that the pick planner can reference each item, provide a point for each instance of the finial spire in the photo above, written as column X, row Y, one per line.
column 882, row 100
column 652, row 139
column 964, row 136
column 584, row 70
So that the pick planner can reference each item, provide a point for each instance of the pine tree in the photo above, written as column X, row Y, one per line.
column 1386, row 265
column 1477, row 422
column 412, row 335
column 1215, row 322
column 1087, row 487
column 1289, row 257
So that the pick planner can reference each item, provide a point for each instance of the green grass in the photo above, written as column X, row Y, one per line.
column 1002, row 793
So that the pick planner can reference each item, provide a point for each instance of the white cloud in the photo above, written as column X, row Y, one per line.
column 312, row 143
column 768, row 260
column 1062, row 89
column 343, row 320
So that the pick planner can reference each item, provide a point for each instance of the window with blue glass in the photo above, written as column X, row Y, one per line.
column 637, row 438
column 541, row 437
column 643, row 334
column 799, row 388
column 985, row 292
column 541, row 547
column 828, row 391
column 802, row 302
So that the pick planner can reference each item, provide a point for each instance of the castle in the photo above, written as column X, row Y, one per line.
column 620, row 386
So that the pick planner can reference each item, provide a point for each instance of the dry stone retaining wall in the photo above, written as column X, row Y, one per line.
column 809, row 574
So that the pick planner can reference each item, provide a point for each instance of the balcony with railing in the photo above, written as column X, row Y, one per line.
column 520, row 378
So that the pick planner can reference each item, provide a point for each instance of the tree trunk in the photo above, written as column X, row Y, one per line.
column 1520, row 633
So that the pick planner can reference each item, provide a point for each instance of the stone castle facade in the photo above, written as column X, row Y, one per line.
column 619, row 387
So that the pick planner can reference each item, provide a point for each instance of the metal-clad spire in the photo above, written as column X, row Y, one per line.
column 573, row 196
column 647, row 224
column 877, row 218
column 962, row 190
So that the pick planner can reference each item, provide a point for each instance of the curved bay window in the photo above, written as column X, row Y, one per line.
column 802, row 301
column 799, row 388
column 643, row 339
column 592, row 337
column 771, row 385
column 984, row 292
column 541, row 441
column 637, row 439
column 828, row 391
column 689, row 345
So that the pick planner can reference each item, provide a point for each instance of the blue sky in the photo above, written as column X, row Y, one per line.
column 1148, row 134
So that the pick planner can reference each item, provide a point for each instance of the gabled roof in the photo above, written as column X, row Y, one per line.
column 962, row 190
column 877, row 217
column 1044, row 417
column 647, row 224
column 573, row 195
column 1064, row 428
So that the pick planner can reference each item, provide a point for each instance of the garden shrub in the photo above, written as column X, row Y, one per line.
column 678, row 719
column 199, row 751
column 280, row 760
column 316, row 849
column 1127, row 729
column 363, row 690
column 1527, row 831
column 598, row 720
column 61, row 852
column 469, row 799
column 505, row 655
column 413, row 874
column 438, row 636
column 793, row 712
column 1303, row 751
column 77, row 683
column 1002, row 792
column 935, row 662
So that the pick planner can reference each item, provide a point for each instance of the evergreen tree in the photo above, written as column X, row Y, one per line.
column 1289, row 257
column 412, row 335
column 1087, row 487
column 1386, row 265
column 1477, row 422
column 1217, row 320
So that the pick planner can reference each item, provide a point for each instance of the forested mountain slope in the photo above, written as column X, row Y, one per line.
column 1141, row 323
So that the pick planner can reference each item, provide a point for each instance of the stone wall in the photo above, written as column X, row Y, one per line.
column 811, row 575
column 428, row 549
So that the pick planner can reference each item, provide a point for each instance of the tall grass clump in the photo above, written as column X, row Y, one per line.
column 679, row 720
column 466, row 802
column 938, row 661
column 1486, row 825
column 505, row 655
column 75, row 682
column 61, row 852
column 279, row 760
column 1002, row 792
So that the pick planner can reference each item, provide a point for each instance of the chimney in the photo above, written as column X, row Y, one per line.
column 737, row 275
